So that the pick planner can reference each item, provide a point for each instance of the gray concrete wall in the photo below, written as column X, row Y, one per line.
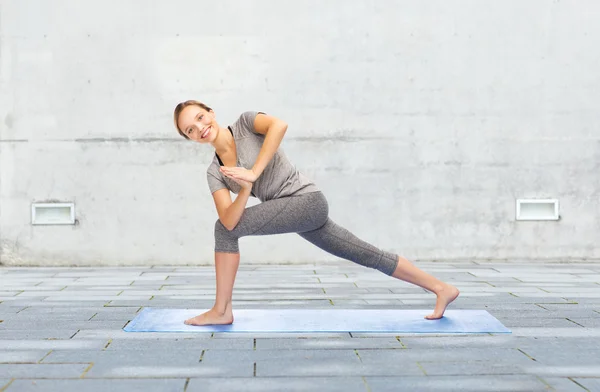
column 422, row 122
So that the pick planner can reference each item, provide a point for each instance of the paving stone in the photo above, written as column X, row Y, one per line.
column 328, row 344
column 7, row 310
column 96, row 334
column 569, row 306
column 145, row 357
column 264, row 356
column 559, row 343
column 574, row 371
column 99, row 385
column 485, row 367
column 65, row 304
column 20, row 356
column 562, row 332
column 495, row 383
column 547, row 314
column 202, row 342
column 110, row 370
column 20, row 334
column 72, row 294
column 452, row 342
column 24, row 344
column 592, row 384
column 68, row 325
column 505, row 355
column 537, row 322
column 276, row 384
column 566, row 355
column 42, row 370
column 564, row 384
column 586, row 322
column 61, row 313
column 280, row 335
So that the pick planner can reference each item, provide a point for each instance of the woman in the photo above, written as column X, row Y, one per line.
column 248, row 162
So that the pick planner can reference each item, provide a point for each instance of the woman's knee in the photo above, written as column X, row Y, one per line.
column 320, row 211
column 220, row 228
column 225, row 240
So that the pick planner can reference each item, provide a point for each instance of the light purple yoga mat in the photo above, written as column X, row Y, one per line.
column 321, row 320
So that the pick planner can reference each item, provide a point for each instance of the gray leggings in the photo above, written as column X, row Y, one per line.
column 307, row 215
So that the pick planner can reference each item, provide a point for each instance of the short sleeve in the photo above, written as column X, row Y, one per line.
column 246, row 121
column 215, row 181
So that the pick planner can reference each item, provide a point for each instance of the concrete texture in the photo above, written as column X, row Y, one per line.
column 422, row 123
column 57, row 343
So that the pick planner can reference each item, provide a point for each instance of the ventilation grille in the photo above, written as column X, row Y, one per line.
column 53, row 214
column 537, row 209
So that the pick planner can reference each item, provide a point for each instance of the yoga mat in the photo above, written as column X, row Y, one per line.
column 321, row 320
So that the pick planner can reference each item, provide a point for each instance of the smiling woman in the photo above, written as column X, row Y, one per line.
column 248, row 162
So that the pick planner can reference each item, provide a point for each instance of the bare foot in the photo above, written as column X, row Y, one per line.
column 445, row 296
column 212, row 317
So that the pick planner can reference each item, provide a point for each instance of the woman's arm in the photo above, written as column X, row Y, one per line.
column 229, row 212
column 273, row 129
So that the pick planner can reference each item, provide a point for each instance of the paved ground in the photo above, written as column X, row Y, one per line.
column 61, row 330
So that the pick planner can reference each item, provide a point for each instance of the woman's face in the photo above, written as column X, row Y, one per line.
column 198, row 124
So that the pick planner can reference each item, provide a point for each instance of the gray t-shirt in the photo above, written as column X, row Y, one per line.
column 279, row 179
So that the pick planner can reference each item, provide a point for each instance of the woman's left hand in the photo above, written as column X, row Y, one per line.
column 239, row 172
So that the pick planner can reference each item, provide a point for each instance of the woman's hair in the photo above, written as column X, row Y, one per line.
column 179, row 108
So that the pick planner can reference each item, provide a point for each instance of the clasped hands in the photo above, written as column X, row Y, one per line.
column 241, row 175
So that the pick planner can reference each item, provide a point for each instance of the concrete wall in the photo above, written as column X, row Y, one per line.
column 422, row 122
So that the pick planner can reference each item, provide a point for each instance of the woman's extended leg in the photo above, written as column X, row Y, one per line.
column 445, row 292
column 342, row 243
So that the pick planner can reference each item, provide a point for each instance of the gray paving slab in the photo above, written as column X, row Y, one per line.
column 546, row 314
column 467, row 368
column 21, row 334
column 277, row 384
column 591, row 384
column 452, row 342
column 59, row 324
column 202, row 342
column 280, row 335
column 562, row 332
column 71, row 370
column 96, row 385
column 21, row 356
column 109, row 370
column 566, row 355
column 146, row 357
column 495, row 383
column 565, row 384
column 302, row 355
column 328, row 344
column 500, row 355
column 565, row 370
column 586, row 322
column 32, row 344
column 537, row 322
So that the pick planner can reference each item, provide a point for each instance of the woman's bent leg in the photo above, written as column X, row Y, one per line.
column 285, row 215
column 342, row 243
column 226, row 266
